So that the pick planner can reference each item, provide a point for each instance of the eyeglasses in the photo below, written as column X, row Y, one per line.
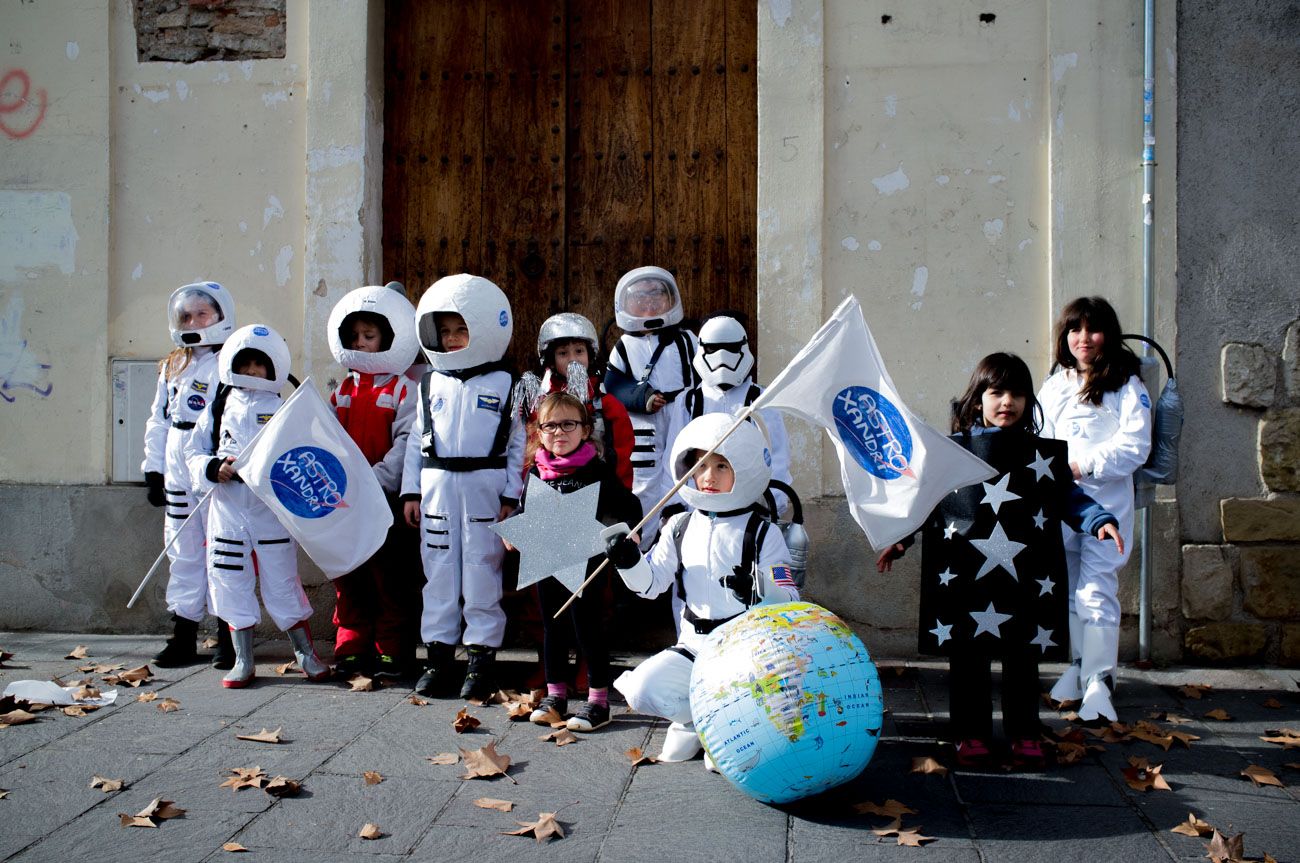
column 562, row 425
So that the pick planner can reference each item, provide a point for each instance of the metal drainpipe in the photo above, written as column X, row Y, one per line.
column 1146, row 530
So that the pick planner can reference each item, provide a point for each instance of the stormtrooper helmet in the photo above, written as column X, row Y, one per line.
column 255, row 339
column 746, row 449
column 723, row 359
column 191, row 305
column 487, row 316
column 647, row 299
column 394, row 316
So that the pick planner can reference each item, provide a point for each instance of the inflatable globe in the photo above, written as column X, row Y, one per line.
column 786, row 701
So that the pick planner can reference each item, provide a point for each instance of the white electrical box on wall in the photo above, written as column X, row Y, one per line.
column 134, row 385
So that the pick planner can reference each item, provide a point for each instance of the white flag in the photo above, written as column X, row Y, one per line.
column 312, row 475
column 895, row 468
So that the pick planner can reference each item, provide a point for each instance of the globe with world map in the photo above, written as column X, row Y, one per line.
column 787, row 701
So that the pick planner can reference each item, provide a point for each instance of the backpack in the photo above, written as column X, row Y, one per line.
column 1161, row 466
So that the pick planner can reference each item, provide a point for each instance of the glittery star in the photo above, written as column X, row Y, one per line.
column 996, row 494
column 998, row 550
column 1042, row 467
column 1040, row 520
column 555, row 534
column 941, row 632
column 950, row 530
column 1045, row 586
column 946, row 576
column 989, row 620
column 1043, row 639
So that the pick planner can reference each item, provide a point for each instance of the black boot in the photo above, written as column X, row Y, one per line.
column 437, row 679
column 223, row 658
column 480, row 682
column 179, row 650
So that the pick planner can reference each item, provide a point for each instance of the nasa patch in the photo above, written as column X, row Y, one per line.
column 874, row 432
column 261, row 331
column 503, row 318
column 437, row 405
column 767, row 457
column 196, row 403
column 490, row 403
column 1146, row 401
column 309, row 482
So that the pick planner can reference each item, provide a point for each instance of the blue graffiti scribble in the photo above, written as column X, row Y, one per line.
column 19, row 368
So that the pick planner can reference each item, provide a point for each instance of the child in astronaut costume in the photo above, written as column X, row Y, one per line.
column 714, row 578
column 248, row 548
column 649, row 366
column 1096, row 403
column 200, row 316
column 463, row 472
column 372, row 335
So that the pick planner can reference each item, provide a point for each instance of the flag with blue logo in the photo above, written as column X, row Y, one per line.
column 895, row 468
column 312, row 475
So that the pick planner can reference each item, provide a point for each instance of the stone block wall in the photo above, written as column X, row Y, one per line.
column 187, row 31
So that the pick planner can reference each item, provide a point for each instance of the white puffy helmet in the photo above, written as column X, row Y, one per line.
column 487, row 317
column 746, row 449
column 255, row 337
column 566, row 326
column 643, row 283
column 723, row 359
column 214, row 295
column 396, row 318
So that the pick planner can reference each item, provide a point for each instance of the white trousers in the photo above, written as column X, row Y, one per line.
column 248, row 549
column 187, row 585
column 462, row 556
column 1093, row 568
column 660, row 686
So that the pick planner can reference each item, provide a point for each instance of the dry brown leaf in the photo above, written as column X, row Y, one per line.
column 106, row 785
column 1293, row 765
column 1285, row 738
column 169, row 705
column 263, row 736
column 1142, row 776
column 1070, row 753
column 928, row 765
column 132, row 677
column 1222, row 849
column 1184, row 738
column 372, row 777
column 370, row 831
column 86, row 693
column 912, row 837
column 157, row 810
column 443, row 758
column 638, row 757
column 544, row 828
column 38, row 707
column 890, row 829
column 1261, row 776
column 208, row 643
column 416, row 700
column 518, row 710
column 492, row 803
column 551, row 718
column 147, row 696
column 285, row 667
column 5, row 656
column 889, row 809
column 4, row 792
column 464, row 722
column 1194, row 690
column 233, row 847
column 78, row 652
column 1273, row 704
column 16, row 717
column 79, row 709
column 100, row 668
column 485, row 762
column 1164, row 741
column 1218, row 714
column 361, row 683
column 245, row 777
column 561, row 737
column 1193, row 826
column 282, row 786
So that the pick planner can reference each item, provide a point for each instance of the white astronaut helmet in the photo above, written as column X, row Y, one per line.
column 746, row 449
column 395, row 317
column 647, row 288
column 567, row 326
column 723, row 359
column 261, row 338
column 486, row 311
column 188, row 299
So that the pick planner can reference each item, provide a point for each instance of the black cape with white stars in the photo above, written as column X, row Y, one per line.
column 993, row 579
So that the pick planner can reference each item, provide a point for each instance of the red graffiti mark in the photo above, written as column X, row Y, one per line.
column 12, row 104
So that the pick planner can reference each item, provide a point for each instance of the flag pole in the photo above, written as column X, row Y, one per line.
column 148, row 576
column 743, row 417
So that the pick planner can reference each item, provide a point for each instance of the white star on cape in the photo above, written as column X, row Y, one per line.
column 555, row 534
column 1043, row 639
column 998, row 550
column 940, row 632
column 989, row 621
column 950, row 530
column 1045, row 586
column 1042, row 467
column 946, row 576
column 996, row 494
column 1040, row 520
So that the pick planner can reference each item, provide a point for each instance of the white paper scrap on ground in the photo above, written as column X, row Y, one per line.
column 49, row 692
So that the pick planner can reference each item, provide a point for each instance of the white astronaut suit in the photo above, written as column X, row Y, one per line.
column 1109, row 442
column 464, row 457
column 712, row 539
column 178, row 405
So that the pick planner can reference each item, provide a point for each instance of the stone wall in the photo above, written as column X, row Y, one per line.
column 187, row 31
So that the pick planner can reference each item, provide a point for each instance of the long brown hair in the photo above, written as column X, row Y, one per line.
column 1000, row 371
column 1115, row 364
column 175, row 362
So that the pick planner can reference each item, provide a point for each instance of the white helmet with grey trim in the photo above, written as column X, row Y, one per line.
column 267, row 342
column 745, row 449
column 189, row 299
column 392, row 312
column 486, row 311
column 723, row 359
column 647, row 299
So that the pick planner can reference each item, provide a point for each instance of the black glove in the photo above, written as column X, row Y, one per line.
column 622, row 552
column 741, row 584
column 153, row 485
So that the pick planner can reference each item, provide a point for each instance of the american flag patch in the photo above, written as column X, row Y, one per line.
column 782, row 577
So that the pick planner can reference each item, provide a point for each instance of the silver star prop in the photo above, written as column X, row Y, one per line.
column 942, row 632
column 946, row 576
column 1045, row 585
column 989, row 620
column 1043, row 639
column 555, row 534
column 998, row 550
column 1040, row 519
column 996, row 494
column 1042, row 467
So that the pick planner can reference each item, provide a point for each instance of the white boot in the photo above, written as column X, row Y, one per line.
column 1070, row 686
column 709, row 764
column 305, row 651
column 244, row 670
column 681, row 743
column 1100, row 654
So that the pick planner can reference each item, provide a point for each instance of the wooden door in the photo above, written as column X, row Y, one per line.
column 551, row 146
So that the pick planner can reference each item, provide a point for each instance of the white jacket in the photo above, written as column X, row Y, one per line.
column 244, row 414
column 183, row 399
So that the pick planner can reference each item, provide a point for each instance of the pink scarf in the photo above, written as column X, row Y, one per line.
column 555, row 466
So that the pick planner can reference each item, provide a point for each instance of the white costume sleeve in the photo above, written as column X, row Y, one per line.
column 514, row 453
column 197, row 452
column 414, row 456
column 1125, row 451
column 774, row 564
column 155, row 431
column 662, row 562
column 390, row 469
column 780, row 454
column 678, row 417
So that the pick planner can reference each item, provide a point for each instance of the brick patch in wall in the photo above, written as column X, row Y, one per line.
column 187, row 31
column 1225, row 642
column 1270, row 581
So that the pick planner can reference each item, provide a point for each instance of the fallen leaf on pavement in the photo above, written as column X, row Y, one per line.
column 1221, row 849
column 157, row 810
column 132, row 677
column 4, row 657
column 372, row 777
column 1184, row 738
column 1151, row 735
column 442, row 758
column 100, row 668
column 1261, row 776
column 551, row 717
column 1194, row 690
column 1293, row 765
column 639, row 757
column 16, row 717
column 491, row 803
column 912, row 837
column 485, row 762
column 890, row 829
column 518, row 710
column 283, row 786
column 285, row 667
column 1071, row 753
column 79, row 709
column 416, row 700
column 86, row 693
column 928, row 765
column 370, row 831
column 890, row 809
column 78, row 652
column 1285, row 738
column 4, row 792
column 1273, row 703
column 1142, row 776
column 106, row 785
column 1193, row 826
column 561, row 736
column 147, row 696
column 464, row 722
column 361, row 683
column 245, row 777
column 233, row 847
column 208, row 643
column 544, row 828
column 1218, row 714
column 263, row 736
column 168, row 705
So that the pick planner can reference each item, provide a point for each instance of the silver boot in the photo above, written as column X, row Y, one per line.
column 1070, row 686
column 244, row 670
column 1100, row 655
column 303, row 648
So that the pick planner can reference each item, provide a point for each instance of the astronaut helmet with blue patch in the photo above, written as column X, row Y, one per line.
column 201, row 313
column 481, row 307
column 255, row 357
column 745, row 449
column 382, row 311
